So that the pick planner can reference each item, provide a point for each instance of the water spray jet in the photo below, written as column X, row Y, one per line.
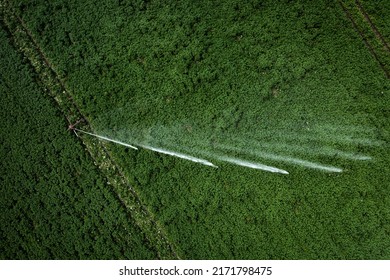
column 107, row 139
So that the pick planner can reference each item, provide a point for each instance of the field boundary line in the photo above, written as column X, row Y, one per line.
column 372, row 25
column 364, row 38
column 23, row 40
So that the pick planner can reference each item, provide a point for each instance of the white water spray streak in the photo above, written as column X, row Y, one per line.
column 108, row 139
column 159, row 150
column 300, row 149
column 308, row 136
column 238, row 161
column 349, row 155
column 254, row 165
column 179, row 155
column 306, row 163
column 296, row 161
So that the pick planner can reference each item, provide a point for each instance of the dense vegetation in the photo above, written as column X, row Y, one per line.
column 237, row 78
column 379, row 14
column 369, row 19
column 54, row 203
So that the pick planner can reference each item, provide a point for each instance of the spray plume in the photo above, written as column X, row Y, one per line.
column 107, row 139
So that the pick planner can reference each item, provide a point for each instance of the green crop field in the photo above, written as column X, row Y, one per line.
column 262, row 127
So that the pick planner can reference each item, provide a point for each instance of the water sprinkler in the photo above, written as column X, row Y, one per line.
column 73, row 128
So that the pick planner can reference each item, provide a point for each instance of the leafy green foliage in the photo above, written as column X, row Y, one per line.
column 197, row 73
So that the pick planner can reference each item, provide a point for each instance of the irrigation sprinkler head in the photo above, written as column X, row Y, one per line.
column 73, row 126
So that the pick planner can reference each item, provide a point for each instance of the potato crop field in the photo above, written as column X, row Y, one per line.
column 195, row 129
